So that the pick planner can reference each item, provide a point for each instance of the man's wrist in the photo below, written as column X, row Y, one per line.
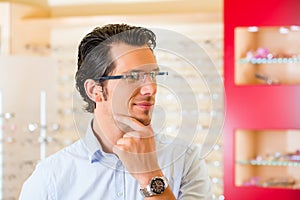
column 145, row 179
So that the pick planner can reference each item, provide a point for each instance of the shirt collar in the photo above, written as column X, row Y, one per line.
column 95, row 151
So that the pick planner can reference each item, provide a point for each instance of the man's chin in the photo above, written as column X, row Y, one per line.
column 144, row 120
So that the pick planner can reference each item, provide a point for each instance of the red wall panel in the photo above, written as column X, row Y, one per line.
column 256, row 107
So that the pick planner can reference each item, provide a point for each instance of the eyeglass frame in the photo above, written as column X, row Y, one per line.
column 126, row 76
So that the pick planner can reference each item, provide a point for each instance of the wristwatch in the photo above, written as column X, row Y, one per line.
column 156, row 186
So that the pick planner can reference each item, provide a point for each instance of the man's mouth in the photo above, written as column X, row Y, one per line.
column 144, row 105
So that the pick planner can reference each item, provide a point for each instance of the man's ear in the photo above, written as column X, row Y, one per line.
column 93, row 90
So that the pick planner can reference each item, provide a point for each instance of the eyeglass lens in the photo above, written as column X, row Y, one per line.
column 141, row 76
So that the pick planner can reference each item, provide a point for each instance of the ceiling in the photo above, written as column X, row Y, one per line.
column 61, row 8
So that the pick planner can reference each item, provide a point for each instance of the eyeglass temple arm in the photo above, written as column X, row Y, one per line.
column 162, row 73
column 103, row 78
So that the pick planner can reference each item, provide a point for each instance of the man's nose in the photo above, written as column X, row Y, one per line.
column 148, row 86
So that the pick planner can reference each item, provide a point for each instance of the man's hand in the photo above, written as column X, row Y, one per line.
column 137, row 150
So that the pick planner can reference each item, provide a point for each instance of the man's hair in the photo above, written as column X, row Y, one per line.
column 94, row 56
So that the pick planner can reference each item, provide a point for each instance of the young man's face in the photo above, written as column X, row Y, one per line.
column 134, row 98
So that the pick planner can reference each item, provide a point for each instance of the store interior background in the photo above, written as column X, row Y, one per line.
column 38, row 52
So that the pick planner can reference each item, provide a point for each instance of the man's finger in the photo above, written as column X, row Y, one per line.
column 129, row 121
column 138, row 135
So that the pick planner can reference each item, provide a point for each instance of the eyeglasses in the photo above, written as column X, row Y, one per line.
column 135, row 76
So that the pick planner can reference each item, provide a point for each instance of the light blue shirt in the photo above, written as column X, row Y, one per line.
column 82, row 171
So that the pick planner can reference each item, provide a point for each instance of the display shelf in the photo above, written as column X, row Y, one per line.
column 260, row 60
column 283, row 183
column 267, row 158
column 268, row 163
column 256, row 61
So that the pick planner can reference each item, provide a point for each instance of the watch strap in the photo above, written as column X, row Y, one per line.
column 146, row 192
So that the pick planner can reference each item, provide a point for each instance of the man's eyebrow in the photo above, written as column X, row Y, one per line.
column 140, row 70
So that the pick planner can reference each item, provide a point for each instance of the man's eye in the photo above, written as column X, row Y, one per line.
column 134, row 76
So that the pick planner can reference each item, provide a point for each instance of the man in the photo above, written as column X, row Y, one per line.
column 120, row 157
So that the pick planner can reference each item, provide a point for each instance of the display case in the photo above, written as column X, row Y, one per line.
column 267, row 158
column 261, row 78
column 267, row 55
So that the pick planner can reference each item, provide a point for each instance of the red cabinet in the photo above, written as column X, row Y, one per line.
column 262, row 85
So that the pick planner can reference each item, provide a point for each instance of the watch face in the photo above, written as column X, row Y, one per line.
column 157, row 185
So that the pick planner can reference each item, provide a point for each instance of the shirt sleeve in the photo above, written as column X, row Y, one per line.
column 196, row 184
column 38, row 185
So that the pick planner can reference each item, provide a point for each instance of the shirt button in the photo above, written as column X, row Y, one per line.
column 120, row 194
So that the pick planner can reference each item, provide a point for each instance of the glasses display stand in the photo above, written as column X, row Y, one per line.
column 5, row 128
column 43, row 131
column 261, row 78
column 1, row 138
column 25, row 102
column 58, row 38
column 267, row 158
column 261, row 61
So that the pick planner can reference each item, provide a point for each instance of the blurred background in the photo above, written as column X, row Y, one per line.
column 38, row 54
